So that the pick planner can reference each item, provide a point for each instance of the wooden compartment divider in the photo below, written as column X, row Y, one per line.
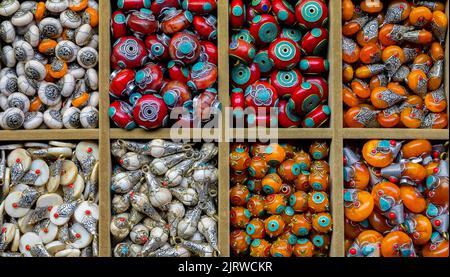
column 334, row 133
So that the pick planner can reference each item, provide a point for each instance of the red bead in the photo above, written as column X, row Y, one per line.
column 392, row 216
column 314, row 42
column 200, row 6
column 284, row 53
column 208, row 52
column 286, row 82
column 202, row 76
column 175, row 94
column 261, row 6
column 178, row 72
column 128, row 52
column 28, row 247
column 120, row 113
column 118, row 24
column 316, row 117
column 158, row 46
column 242, row 50
column 175, row 21
column 306, row 98
column 261, row 94
column 311, row 13
column 133, row 4
column 206, row 27
column 437, row 222
column 283, row 12
column 122, row 82
column 142, row 22
column 314, row 65
column 287, row 117
column 264, row 28
column 243, row 76
column 14, row 205
column 38, row 171
column 150, row 112
column 158, row 6
column 321, row 83
column 149, row 78
column 237, row 14
column 184, row 48
column 352, row 251
column 56, row 215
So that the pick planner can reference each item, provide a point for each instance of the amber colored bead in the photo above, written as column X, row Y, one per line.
column 58, row 74
column 361, row 209
column 299, row 201
column 437, row 51
column 370, row 53
column 440, row 120
column 370, row 6
column 350, row 28
column 404, row 5
column 303, row 159
column 271, row 183
column 35, row 104
column 384, row 35
column 257, row 149
column 239, row 146
column 360, row 88
column 376, row 81
column 82, row 99
column 321, row 241
column 347, row 73
column 318, row 201
column 361, row 176
column 48, row 77
column 290, row 150
column 260, row 248
column 256, row 205
column 420, row 16
column 318, row 180
column 40, row 11
column 376, row 97
column 391, row 243
column 430, row 168
column 47, row 46
column 255, row 229
column 413, row 199
column 238, row 178
column 352, row 229
column 300, row 225
column 423, row 230
column 239, row 195
column 350, row 120
column 414, row 171
column 303, row 248
column 379, row 222
column 239, row 241
column 436, row 250
column 388, row 120
column 93, row 16
column 347, row 10
column 435, row 104
column 349, row 97
column 274, row 203
column 320, row 165
column 239, row 160
column 302, row 181
column 274, row 154
column 385, row 189
column 438, row 192
column 415, row 78
column 258, row 167
column 239, row 217
column 319, row 150
column 289, row 170
column 322, row 222
column 374, row 157
column 352, row 57
column 370, row 236
column 281, row 248
column 287, row 214
column 423, row 59
column 416, row 147
column 411, row 118
column 398, row 89
column 274, row 225
column 393, row 50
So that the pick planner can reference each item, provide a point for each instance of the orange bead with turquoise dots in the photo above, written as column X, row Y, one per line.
column 321, row 241
column 286, row 190
column 374, row 153
column 289, row 170
column 303, row 159
column 318, row 180
column 302, row 181
column 239, row 217
column 288, row 236
column 318, row 201
column 320, row 165
column 299, row 201
column 239, row 160
column 274, row 225
column 256, row 205
column 322, row 222
column 239, row 241
column 319, row 150
column 274, row 154
column 239, row 195
column 260, row 248
column 290, row 150
column 257, row 149
column 274, row 203
column 242, row 146
column 281, row 248
column 287, row 214
column 383, row 193
column 421, row 230
column 303, row 248
column 255, row 229
column 438, row 248
column 413, row 199
column 238, row 178
column 361, row 207
column 396, row 244
column 271, row 183
column 300, row 225
column 258, row 167
column 254, row 185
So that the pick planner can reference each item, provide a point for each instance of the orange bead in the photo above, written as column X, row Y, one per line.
column 411, row 117
column 388, row 118
column 57, row 69
column 303, row 248
column 360, row 117
column 361, row 176
column 320, row 241
column 374, row 157
column 239, row 160
column 260, row 248
column 378, row 81
column 438, row 193
column 347, row 10
column 352, row 27
column 78, row 5
column 319, row 180
column 239, row 217
column 302, row 182
column 319, row 150
column 39, row 11
column 258, row 167
column 281, row 248
column 414, row 100
column 352, row 229
column 436, row 249
column 349, row 97
column 416, row 148
column 303, row 159
column 398, row 89
column 322, row 222
column 274, row 203
column 383, row 192
column 318, row 201
column 422, row 231
column 360, row 88
column 414, row 171
column 299, row 201
column 430, row 167
column 402, row 5
column 382, row 97
column 241, row 146
column 439, row 25
column 439, row 120
column 48, row 77
column 238, row 178
column 379, row 222
column 271, row 183
column 395, row 51
column 300, row 225
column 274, row 154
column 347, row 73
column 370, row 53
column 289, row 170
column 370, row 236
column 320, row 165
column 413, row 199
column 256, row 205
column 47, row 46
column 92, row 15
column 436, row 51
column 385, row 35
column 239, row 195
column 361, row 209
column 351, row 50
column 35, row 105
column 239, row 241
column 370, row 6
column 394, row 242
column 258, row 149
column 274, row 225
column 420, row 16
column 255, row 229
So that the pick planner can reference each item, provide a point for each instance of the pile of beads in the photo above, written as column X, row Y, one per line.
column 396, row 199
column 48, row 201
column 49, row 54
column 393, row 64
column 164, row 199
column 280, row 202
column 164, row 59
column 278, row 61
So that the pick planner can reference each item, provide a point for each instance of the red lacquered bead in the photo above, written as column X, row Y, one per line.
column 206, row 27
column 316, row 117
column 314, row 65
column 237, row 14
column 122, row 82
column 287, row 117
column 284, row 12
column 208, row 52
column 121, row 113
column 203, row 75
column 311, row 13
column 142, row 22
column 200, row 6
column 315, row 41
column 286, row 82
column 284, row 53
column 184, row 48
column 149, row 78
column 306, row 98
column 118, row 24
column 321, row 83
column 158, row 6
column 150, row 112
column 261, row 94
column 128, row 52
column 178, row 72
column 264, row 28
column 242, row 76
column 242, row 50
column 158, row 46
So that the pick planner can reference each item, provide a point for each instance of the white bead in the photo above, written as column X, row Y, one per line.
column 20, row 101
column 8, row 8
column 7, row 31
column 23, row 51
column 71, row 118
column 22, row 18
column 50, row 27
column 83, row 34
column 49, row 94
column 35, row 70
column 66, row 50
column 13, row 118
column 89, row 117
column 53, row 119
column 33, row 120
column 56, row 6
column 25, row 86
column 32, row 36
column 8, row 84
column 8, row 57
column 70, row 19
column 67, row 85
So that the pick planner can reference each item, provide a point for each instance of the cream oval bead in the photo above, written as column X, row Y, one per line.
column 9, row 7
column 53, row 119
column 7, row 31
column 35, row 70
column 22, row 18
column 32, row 36
column 33, row 120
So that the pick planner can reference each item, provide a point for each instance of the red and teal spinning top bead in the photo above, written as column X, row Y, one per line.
column 315, row 42
column 306, row 98
column 242, row 75
column 264, row 28
column 311, row 14
column 286, row 81
column 284, row 53
column 261, row 94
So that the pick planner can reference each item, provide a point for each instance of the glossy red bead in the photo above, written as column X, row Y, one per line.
column 150, row 112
